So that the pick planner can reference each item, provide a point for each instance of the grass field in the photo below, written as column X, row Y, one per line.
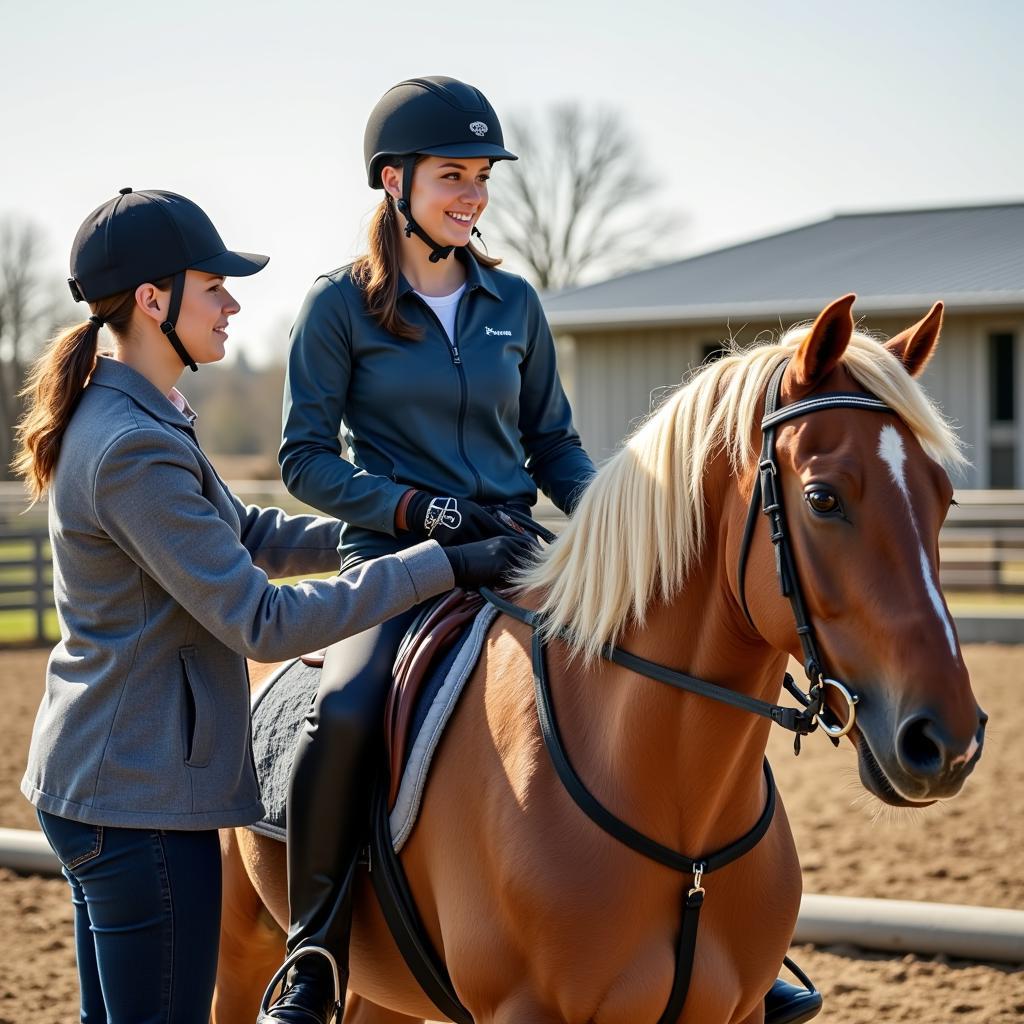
column 18, row 573
column 18, row 628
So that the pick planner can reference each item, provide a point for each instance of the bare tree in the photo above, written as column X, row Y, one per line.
column 577, row 203
column 29, row 311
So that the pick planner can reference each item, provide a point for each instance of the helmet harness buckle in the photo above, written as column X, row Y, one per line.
column 169, row 325
column 437, row 252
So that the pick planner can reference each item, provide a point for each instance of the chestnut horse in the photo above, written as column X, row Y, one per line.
column 542, row 916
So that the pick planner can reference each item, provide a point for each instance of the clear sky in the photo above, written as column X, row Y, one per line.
column 753, row 116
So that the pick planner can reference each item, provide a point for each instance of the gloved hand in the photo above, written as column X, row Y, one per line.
column 452, row 520
column 484, row 563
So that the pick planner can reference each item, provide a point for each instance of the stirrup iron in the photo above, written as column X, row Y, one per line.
column 289, row 962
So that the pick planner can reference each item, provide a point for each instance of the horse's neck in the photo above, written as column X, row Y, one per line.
column 683, row 768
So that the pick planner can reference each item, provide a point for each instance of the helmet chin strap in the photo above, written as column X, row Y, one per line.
column 177, row 291
column 437, row 252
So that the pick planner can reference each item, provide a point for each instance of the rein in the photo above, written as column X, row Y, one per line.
column 800, row 722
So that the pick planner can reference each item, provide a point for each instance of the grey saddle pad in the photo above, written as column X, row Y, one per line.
column 280, row 706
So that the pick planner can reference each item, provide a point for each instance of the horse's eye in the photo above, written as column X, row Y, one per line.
column 822, row 502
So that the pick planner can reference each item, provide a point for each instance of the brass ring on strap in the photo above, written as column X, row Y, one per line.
column 835, row 731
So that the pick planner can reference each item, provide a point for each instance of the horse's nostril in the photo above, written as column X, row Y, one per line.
column 920, row 752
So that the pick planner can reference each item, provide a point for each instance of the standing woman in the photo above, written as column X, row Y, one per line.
column 442, row 370
column 140, row 750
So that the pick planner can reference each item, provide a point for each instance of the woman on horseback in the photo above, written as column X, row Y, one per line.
column 140, row 750
column 442, row 369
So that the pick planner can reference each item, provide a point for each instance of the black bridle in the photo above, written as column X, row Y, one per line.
column 767, row 498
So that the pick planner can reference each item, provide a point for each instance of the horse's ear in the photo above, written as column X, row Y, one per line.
column 915, row 346
column 824, row 346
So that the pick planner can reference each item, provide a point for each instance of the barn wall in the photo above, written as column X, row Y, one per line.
column 614, row 376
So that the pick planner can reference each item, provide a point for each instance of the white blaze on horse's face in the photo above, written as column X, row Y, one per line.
column 894, row 455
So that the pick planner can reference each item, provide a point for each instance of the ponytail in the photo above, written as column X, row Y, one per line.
column 54, row 386
column 377, row 271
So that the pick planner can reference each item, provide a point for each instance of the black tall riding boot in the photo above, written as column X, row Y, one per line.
column 332, row 780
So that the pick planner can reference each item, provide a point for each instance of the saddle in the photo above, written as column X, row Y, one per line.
column 424, row 645
column 432, row 634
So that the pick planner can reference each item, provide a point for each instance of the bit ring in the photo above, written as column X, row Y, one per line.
column 836, row 731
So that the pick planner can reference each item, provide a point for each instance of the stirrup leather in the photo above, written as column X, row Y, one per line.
column 289, row 962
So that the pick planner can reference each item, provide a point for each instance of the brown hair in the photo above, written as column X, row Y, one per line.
column 54, row 385
column 376, row 272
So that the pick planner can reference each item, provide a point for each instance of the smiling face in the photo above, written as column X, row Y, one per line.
column 206, row 307
column 449, row 195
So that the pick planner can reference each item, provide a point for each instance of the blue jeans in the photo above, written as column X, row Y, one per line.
column 147, row 919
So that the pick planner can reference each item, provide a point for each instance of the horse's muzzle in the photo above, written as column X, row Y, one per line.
column 925, row 765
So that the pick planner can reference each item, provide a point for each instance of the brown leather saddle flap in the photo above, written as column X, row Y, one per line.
column 437, row 634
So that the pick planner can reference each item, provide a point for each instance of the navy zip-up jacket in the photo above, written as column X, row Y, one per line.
column 483, row 418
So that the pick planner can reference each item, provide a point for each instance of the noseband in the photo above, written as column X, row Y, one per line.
column 767, row 498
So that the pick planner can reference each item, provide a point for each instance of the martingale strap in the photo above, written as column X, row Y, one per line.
column 697, row 867
column 614, row 826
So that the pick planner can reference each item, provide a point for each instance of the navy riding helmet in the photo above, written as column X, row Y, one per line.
column 147, row 235
column 435, row 116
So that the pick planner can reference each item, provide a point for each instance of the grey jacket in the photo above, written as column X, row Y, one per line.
column 160, row 579
column 484, row 418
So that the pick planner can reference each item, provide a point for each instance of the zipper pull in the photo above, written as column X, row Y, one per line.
column 456, row 359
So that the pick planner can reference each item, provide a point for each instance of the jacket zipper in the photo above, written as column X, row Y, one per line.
column 453, row 349
column 248, row 734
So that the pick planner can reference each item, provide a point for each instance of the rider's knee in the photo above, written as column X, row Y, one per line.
column 347, row 716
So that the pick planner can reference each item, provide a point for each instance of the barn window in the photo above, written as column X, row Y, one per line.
column 1001, row 378
column 1002, row 409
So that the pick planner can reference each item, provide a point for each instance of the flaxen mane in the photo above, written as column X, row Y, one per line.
column 639, row 528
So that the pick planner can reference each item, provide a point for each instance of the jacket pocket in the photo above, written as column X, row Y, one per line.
column 199, row 725
column 74, row 842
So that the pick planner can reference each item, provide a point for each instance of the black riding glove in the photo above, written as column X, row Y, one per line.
column 484, row 563
column 452, row 520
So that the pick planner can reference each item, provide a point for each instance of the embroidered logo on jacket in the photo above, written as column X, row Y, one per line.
column 491, row 330
column 478, row 128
